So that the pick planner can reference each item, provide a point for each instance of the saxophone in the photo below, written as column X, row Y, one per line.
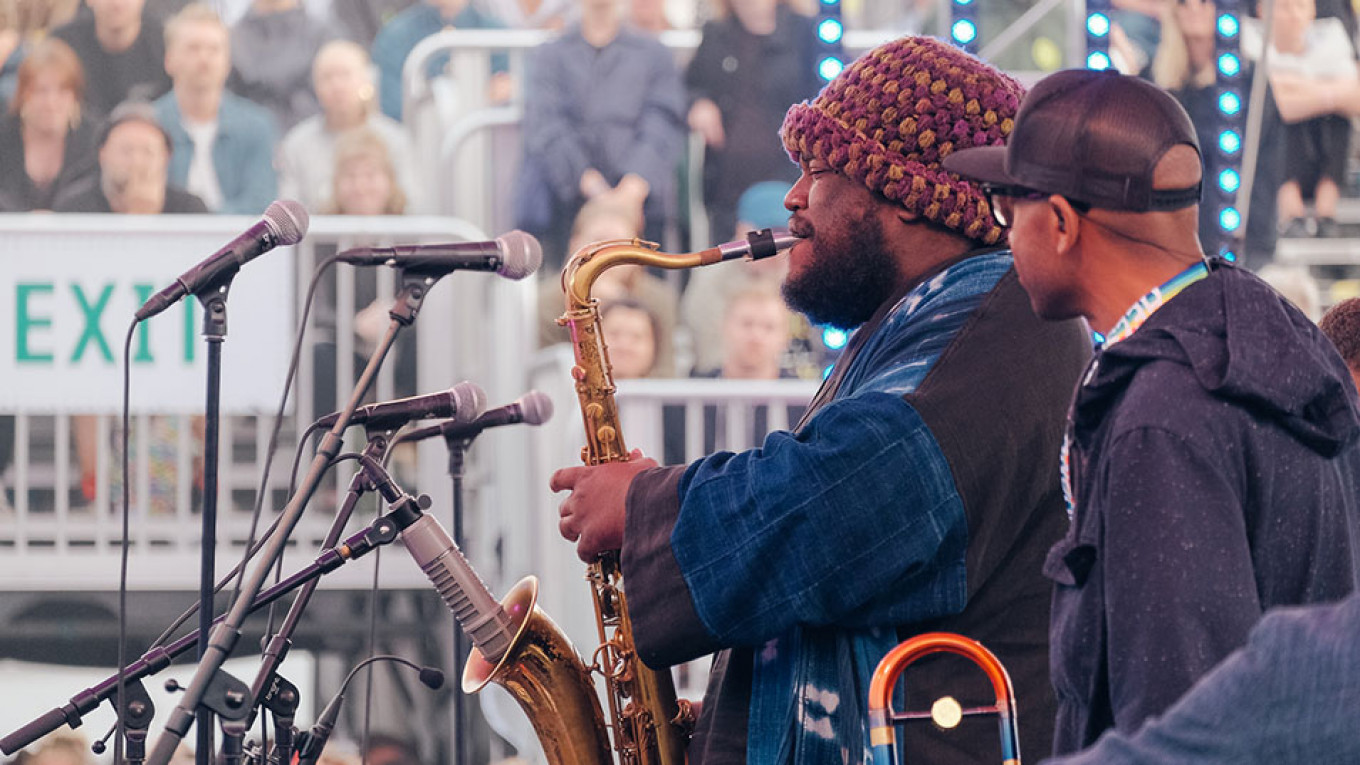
column 651, row 726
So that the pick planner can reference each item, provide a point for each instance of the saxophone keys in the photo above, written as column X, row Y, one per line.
column 606, row 434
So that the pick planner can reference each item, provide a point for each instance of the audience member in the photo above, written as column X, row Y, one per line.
column 122, row 50
column 1341, row 325
column 134, row 156
column 1296, row 285
column 632, row 334
column 754, row 60
column 62, row 748
column 1135, row 33
column 648, row 16
column 45, row 145
column 396, row 41
column 602, row 118
column 343, row 78
column 1184, row 65
column 272, row 48
column 754, row 342
column 361, row 20
column 364, row 183
column 601, row 221
column 710, row 289
column 1318, row 53
column 365, row 179
column 531, row 14
column 387, row 749
column 23, row 24
column 755, row 335
column 223, row 144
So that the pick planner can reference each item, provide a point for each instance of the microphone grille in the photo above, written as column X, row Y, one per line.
column 287, row 220
column 469, row 401
column 522, row 252
column 536, row 407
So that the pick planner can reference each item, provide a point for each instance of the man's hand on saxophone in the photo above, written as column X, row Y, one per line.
column 593, row 515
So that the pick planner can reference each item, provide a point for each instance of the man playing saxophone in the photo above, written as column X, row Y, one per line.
column 919, row 493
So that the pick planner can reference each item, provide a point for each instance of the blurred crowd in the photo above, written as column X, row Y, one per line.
column 1305, row 159
column 168, row 106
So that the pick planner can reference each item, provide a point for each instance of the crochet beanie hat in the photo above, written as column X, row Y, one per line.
column 889, row 119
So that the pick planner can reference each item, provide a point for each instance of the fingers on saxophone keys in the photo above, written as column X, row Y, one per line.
column 565, row 479
column 567, row 527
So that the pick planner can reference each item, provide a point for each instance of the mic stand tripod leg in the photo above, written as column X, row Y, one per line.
column 380, row 532
column 225, row 635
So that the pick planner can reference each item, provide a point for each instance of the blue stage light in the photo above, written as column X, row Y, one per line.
column 964, row 31
column 963, row 2
column 1229, row 103
column 1098, row 59
column 1229, row 141
column 827, row 372
column 830, row 31
column 1229, row 218
column 834, row 339
column 1227, row 25
column 829, row 67
column 1229, row 64
column 1229, row 180
column 1098, row 24
column 1230, row 256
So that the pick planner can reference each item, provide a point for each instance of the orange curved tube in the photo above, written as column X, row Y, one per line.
column 882, row 718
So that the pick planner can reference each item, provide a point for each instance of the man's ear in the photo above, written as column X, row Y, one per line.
column 906, row 216
column 1065, row 223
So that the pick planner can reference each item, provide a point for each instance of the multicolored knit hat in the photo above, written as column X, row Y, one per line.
column 890, row 117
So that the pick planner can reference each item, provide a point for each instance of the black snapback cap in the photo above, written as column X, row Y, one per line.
column 1091, row 136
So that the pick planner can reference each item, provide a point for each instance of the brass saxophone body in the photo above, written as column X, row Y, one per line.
column 651, row 726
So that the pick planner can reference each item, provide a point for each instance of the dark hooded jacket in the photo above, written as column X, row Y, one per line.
column 1214, row 465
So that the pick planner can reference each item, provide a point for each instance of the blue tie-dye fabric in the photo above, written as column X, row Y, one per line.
column 814, row 545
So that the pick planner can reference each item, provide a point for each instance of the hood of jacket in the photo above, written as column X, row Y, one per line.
column 1244, row 343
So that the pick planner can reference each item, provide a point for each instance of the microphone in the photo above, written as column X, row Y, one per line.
column 285, row 222
column 463, row 402
column 313, row 741
column 514, row 255
column 478, row 612
column 533, row 408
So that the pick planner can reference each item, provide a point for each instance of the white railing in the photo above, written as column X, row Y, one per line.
column 53, row 537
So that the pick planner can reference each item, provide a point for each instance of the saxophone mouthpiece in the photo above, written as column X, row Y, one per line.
column 758, row 245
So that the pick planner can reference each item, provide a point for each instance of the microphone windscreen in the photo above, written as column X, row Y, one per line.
column 469, row 401
column 431, row 678
column 522, row 252
column 287, row 220
column 536, row 407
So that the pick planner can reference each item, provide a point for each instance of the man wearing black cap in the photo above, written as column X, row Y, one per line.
column 1211, row 459
column 134, row 155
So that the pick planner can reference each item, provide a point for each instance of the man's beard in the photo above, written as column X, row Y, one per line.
column 845, row 281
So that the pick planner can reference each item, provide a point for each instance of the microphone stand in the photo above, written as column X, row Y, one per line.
column 380, row 532
column 224, row 636
column 462, row 747
column 213, row 296
column 267, row 679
